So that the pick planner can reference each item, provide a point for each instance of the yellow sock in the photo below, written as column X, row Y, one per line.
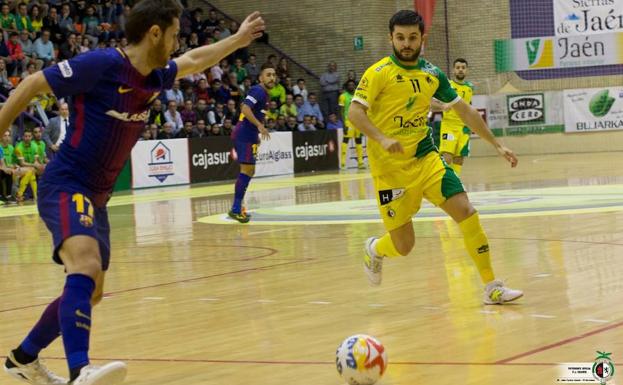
column 359, row 149
column 477, row 246
column 457, row 168
column 344, row 152
column 33, row 185
column 23, row 183
column 385, row 247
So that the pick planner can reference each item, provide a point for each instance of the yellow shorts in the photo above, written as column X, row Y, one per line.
column 350, row 132
column 399, row 193
column 454, row 140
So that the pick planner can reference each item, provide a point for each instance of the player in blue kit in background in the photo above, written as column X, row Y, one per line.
column 112, row 90
column 246, row 137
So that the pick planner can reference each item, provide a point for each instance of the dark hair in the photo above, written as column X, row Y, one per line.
column 147, row 13
column 406, row 17
column 266, row 66
column 460, row 60
column 300, row 80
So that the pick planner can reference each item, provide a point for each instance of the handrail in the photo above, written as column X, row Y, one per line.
column 279, row 50
column 24, row 113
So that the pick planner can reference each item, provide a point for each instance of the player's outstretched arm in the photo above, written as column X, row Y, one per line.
column 30, row 87
column 438, row 106
column 198, row 59
column 472, row 119
column 359, row 118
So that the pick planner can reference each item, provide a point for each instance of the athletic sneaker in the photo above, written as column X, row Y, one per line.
column 35, row 373
column 496, row 293
column 113, row 373
column 372, row 263
column 241, row 217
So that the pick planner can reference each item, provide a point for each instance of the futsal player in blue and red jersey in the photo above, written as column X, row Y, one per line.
column 112, row 90
column 246, row 136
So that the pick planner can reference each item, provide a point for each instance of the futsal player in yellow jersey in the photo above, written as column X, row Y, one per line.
column 454, row 144
column 390, row 107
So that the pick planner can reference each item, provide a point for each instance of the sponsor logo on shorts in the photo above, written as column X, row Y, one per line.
column 387, row 196
column 483, row 249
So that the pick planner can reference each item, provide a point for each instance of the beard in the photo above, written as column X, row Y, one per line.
column 405, row 57
column 459, row 76
column 158, row 55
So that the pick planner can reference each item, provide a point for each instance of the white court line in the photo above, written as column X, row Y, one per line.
column 266, row 300
column 45, row 297
column 209, row 299
column 431, row 307
column 376, row 305
column 488, row 312
column 263, row 231
column 542, row 316
column 542, row 275
column 599, row 321
column 153, row 298
column 319, row 303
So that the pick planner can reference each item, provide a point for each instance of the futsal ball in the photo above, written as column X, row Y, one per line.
column 361, row 360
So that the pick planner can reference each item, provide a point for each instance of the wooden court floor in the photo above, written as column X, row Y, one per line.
column 194, row 300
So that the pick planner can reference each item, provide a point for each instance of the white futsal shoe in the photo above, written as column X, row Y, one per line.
column 372, row 264
column 34, row 373
column 496, row 293
column 113, row 373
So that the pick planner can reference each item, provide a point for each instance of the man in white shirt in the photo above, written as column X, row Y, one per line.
column 175, row 94
column 299, row 89
column 171, row 115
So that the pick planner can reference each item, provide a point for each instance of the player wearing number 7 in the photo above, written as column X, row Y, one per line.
column 390, row 107
column 112, row 90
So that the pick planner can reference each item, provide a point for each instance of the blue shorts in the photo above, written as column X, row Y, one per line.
column 67, row 213
column 246, row 152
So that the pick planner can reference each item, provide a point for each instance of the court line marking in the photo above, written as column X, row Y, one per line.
column 559, row 343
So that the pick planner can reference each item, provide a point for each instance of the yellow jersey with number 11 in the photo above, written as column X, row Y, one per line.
column 398, row 98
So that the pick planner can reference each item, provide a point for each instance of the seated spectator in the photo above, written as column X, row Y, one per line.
column 202, row 91
column 6, row 177
column 37, row 138
column 280, row 124
column 22, row 20
column 278, row 94
column 307, row 124
column 156, row 114
column 291, row 124
column 299, row 89
column 17, row 61
column 288, row 108
column 253, row 70
column 311, row 107
column 155, row 131
column 227, row 127
column 318, row 124
column 51, row 23
column 69, row 48
column 172, row 115
column 201, row 110
column 270, row 125
column 175, row 94
column 91, row 28
column 36, row 19
column 167, row 131
column 28, row 48
column 146, row 134
column 65, row 22
column 239, row 71
column 334, row 123
column 5, row 83
column 211, row 22
column 223, row 94
column 193, row 41
column 215, row 130
column 85, row 46
column 30, row 69
column 202, row 129
column 27, row 156
column 188, row 114
column 7, row 19
column 273, row 110
column 298, row 102
column 287, row 84
column 245, row 87
column 188, row 131
column 224, row 29
column 44, row 48
column 232, row 112
column 282, row 70
column 189, row 93
column 217, row 116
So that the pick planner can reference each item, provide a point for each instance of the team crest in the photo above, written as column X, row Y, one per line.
column 399, row 79
column 86, row 221
column 603, row 368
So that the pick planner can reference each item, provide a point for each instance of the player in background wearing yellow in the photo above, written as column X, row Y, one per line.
column 454, row 141
column 350, row 132
column 390, row 107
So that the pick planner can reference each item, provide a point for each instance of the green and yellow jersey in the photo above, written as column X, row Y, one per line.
column 344, row 102
column 465, row 90
column 29, row 153
column 398, row 98
column 9, row 156
column 43, row 158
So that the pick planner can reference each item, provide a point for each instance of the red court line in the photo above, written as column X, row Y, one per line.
column 560, row 343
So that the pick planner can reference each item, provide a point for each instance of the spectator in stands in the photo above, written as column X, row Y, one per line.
column 272, row 60
column 189, row 93
column 330, row 84
column 30, row 69
column 5, row 84
column 288, row 108
column 224, row 29
column 245, row 87
column 287, row 84
column 227, row 127
column 282, row 70
column 317, row 123
column 231, row 111
column 307, row 124
column 146, row 134
column 188, row 114
column 215, row 130
column 65, row 21
column 70, row 48
column 211, row 22
column 167, row 131
column 218, row 115
column 17, row 61
column 201, row 110
column 278, row 93
column 223, row 93
column 202, row 130
column 37, row 138
column 51, row 23
column 156, row 114
column 234, row 89
column 218, row 70
column 311, row 108
column 334, row 123
column 154, row 131
column 28, row 48
column 80, row 10
column 350, row 75
column 44, row 49
column 273, row 111
column 36, row 19
column 253, row 70
column 22, row 20
column 57, row 127
column 4, row 50
column 203, row 92
column 193, row 41
column 7, row 19
column 172, row 115
column 26, row 153
column 123, row 43
column 107, row 12
column 270, row 125
column 299, row 89
column 175, row 94
column 85, row 46
column 188, row 131
column 239, row 70
column 280, row 124
column 121, row 20
column 298, row 102
column 196, row 24
column 91, row 28
column 291, row 123
column 6, row 176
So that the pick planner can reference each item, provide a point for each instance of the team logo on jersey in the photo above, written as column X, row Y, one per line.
column 399, row 79
column 86, row 221
column 122, row 90
column 387, row 196
column 429, row 80
column 410, row 102
column 66, row 69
